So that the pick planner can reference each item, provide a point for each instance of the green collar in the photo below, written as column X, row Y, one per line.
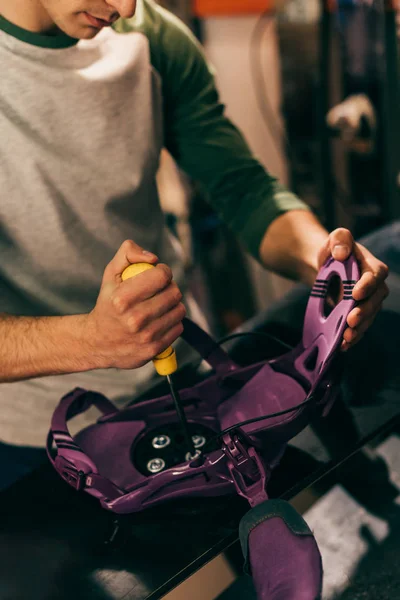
column 60, row 40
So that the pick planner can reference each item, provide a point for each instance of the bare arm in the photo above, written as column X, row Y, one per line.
column 34, row 347
column 131, row 323
column 291, row 246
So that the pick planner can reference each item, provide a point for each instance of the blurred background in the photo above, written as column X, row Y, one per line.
column 312, row 84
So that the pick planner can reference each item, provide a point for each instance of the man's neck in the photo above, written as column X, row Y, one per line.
column 27, row 15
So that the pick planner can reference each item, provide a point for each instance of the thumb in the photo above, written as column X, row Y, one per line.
column 339, row 245
column 128, row 253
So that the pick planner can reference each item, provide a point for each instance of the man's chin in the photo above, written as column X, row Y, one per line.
column 83, row 33
column 87, row 33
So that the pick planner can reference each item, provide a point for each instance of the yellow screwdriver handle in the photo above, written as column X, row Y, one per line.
column 165, row 363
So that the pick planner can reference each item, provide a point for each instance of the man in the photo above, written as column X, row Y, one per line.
column 85, row 109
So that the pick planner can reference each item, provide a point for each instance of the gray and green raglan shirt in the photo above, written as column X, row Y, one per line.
column 82, row 125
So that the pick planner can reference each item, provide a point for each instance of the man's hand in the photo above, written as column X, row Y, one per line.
column 370, row 291
column 136, row 319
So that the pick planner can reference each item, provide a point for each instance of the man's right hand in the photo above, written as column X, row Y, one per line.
column 136, row 319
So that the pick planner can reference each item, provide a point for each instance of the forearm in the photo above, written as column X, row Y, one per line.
column 290, row 245
column 38, row 346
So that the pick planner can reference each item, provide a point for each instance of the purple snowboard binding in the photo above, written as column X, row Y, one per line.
column 240, row 420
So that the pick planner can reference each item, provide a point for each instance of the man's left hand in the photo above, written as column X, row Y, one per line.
column 369, row 292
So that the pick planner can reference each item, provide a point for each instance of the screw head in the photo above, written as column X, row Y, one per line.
column 155, row 465
column 161, row 441
column 198, row 441
column 189, row 456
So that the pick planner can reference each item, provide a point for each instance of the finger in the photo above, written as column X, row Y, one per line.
column 128, row 253
column 339, row 245
column 344, row 346
column 367, row 308
column 369, row 284
column 353, row 334
column 160, row 304
column 160, row 327
column 373, row 270
column 137, row 289
column 349, row 335
column 169, row 338
column 366, row 286
column 352, row 338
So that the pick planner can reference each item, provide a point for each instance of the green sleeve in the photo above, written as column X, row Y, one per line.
column 203, row 141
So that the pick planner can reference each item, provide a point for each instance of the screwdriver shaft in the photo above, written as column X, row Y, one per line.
column 182, row 416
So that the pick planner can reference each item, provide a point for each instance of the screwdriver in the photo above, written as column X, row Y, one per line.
column 165, row 364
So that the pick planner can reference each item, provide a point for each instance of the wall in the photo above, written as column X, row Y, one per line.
column 227, row 44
